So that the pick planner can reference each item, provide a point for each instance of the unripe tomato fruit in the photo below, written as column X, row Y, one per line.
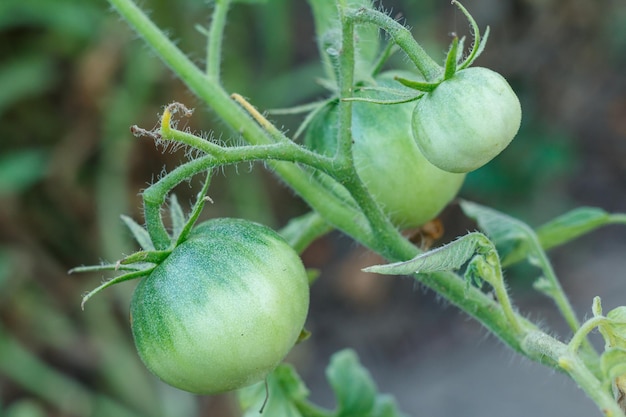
column 467, row 120
column 223, row 309
column 409, row 189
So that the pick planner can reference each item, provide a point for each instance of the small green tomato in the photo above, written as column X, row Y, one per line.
column 408, row 187
column 223, row 309
column 467, row 120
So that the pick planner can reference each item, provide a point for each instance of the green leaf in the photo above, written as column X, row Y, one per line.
column 139, row 233
column 353, row 386
column 514, row 237
column 284, row 387
column 571, row 225
column 355, row 391
column 449, row 257
column 500, row 227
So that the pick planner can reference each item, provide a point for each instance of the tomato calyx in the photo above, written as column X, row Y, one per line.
column 143, row 262
column 454, row 61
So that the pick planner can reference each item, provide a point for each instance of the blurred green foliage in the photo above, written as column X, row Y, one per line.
column 73, row 79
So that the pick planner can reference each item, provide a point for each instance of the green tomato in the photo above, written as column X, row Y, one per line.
column 467, row 120
column 223, row 309
column 410, row 190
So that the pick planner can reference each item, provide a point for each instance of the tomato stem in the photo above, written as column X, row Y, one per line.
column 402, row 36
column 215, row 39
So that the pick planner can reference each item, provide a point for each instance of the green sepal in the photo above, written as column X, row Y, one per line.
column 479, row 44
column 140, row 234
column 150, row 256
column 304, row 335
column 451, row 59
column 383, row 95
column 195, row 212
column 116, row 280
column 177, row 216
column 417, row 85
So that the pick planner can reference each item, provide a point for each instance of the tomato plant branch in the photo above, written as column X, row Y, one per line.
column 580, row 336
column 284, row 151
column 334, row 211
column 215, row 39
column 487, row 267
column 569, row 362
column 530, row 342
column 383, row 230
column 554, row 289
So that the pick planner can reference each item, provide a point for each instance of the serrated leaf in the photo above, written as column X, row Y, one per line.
column 139, row 233
column 355, row 391
column 500, row 227
column 354, row 388
column 352, row 384
column 449, row 257
column 571, row 225
column 284, row 387
column 514, row 239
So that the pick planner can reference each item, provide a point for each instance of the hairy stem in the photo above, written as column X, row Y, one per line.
column 333, row 210
column 215, row 40
column 402, row 36
column 540, row 343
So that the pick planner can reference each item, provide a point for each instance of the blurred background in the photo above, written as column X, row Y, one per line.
column 73, row 79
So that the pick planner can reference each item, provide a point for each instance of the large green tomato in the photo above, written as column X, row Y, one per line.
column 467, row 120
column 410, row 189
column 224, row 308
